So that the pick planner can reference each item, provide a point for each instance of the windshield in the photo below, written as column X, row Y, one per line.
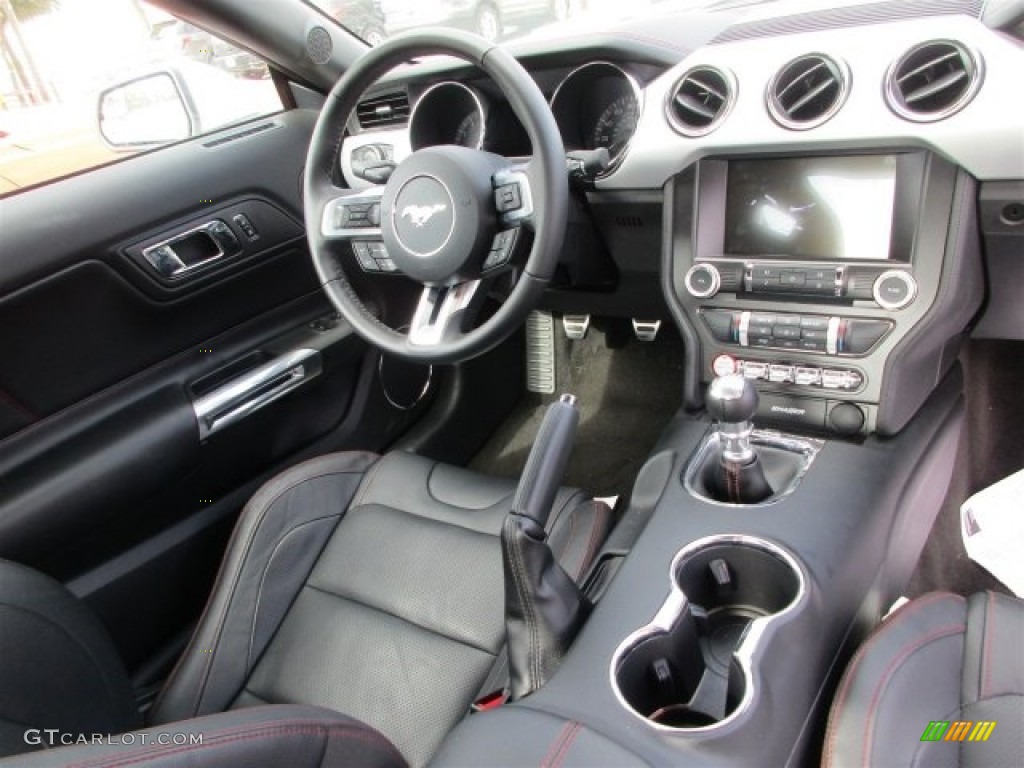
column 498, row 20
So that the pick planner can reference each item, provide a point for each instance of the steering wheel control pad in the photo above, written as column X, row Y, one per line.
column 438, row 216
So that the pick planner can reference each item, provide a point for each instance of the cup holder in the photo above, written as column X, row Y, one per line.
column 690, row 668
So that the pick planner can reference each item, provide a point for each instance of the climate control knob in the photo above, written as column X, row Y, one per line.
column 703, row 281
column 894, row 289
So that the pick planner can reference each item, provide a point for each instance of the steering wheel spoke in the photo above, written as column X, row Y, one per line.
column 445, row 313
column 352, row 216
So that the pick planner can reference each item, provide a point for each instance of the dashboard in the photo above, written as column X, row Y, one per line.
column 824, row 215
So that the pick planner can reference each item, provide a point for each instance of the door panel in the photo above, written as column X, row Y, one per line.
column 106, row 481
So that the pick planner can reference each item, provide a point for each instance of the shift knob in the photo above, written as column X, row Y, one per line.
column 732, row 399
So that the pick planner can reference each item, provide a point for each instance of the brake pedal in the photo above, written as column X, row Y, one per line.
column 540, row 353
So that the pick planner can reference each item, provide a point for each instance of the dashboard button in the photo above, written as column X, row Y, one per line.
column 753, row 370
column 759, row 330
column 780, row 374
column 814, row 335
column 814, row 323
column 814, row 345
column 786, row 332
column 793, row 277
column 786, row 343
column 807, row 377
column 793, row 320
column 760, row 318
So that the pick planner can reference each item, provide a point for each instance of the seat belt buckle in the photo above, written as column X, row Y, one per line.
column 491, row 701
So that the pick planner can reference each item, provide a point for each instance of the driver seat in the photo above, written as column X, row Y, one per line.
column 371, row 586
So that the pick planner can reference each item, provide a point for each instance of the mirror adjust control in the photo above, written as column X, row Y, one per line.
column 245, row 224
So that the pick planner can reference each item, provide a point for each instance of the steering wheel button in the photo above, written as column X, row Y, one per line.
column 508, row 198
column 386, row 265
column 364, row 256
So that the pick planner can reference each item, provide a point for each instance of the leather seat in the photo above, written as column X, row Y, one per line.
column 924, row 683
column 370, row 586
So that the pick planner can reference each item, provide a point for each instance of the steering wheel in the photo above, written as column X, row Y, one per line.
column 449, row 217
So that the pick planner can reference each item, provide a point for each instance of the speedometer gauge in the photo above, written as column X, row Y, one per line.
column 470, row 131
column 597, row 106
column 616, row 124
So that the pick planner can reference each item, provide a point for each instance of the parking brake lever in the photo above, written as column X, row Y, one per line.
column 543, row 606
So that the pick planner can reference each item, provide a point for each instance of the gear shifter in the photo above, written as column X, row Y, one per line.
column 737, row 476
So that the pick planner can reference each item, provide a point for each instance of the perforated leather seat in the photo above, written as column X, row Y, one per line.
column 371, row 586
column 927, row 680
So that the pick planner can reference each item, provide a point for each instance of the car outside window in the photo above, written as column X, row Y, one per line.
column 87, row 82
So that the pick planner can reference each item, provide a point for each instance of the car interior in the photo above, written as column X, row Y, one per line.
column 600, row 398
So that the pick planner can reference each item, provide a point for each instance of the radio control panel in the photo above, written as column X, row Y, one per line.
column 890, row 289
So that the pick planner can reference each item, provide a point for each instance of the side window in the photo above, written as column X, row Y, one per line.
column 84, row 83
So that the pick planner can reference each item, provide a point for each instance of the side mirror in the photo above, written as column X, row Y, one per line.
column 145, row 112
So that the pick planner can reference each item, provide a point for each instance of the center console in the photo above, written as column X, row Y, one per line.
column 819, row 295
column 839, row 283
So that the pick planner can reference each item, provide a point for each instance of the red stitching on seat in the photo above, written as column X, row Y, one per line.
column 566, row 745
column 596, row 527
column 935, row 634
column 832, row 734
column 556, row 745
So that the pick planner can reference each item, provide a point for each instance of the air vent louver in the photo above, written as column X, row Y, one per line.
column 932, row 81
column 807, row 92
column 700, row 101
column 381, row 111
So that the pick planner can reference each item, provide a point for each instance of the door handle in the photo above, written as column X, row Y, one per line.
column 243, row 396
column 198, row 247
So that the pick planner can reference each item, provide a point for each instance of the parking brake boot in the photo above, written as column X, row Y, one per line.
column 543, row 606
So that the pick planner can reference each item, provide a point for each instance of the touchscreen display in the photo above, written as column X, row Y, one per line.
column 836, row 208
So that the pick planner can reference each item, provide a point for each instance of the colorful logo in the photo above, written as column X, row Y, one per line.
column 958, row 730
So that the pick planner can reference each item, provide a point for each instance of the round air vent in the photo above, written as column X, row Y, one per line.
column 933, row 80
column 807, row 91
column 700, row 100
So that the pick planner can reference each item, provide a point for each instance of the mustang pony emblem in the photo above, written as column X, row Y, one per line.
column 420, row 214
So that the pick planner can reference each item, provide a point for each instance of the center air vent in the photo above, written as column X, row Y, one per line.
column 932, row 81
column 700, row 100
column 807, row 91
column 380, row 111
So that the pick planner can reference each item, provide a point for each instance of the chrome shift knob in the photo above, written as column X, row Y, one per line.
column 732, row 399
column 732, row 402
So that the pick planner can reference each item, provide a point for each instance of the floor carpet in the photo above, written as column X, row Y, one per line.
column 991, row 447
column 627, row 392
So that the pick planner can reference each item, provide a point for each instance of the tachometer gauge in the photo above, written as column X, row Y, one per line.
column 616, row 124
column 470, row 131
